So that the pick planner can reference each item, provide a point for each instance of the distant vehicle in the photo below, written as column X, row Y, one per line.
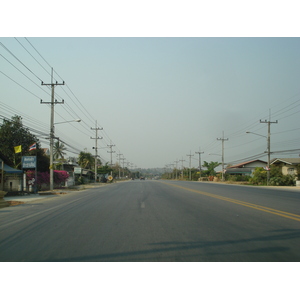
column 142, row 178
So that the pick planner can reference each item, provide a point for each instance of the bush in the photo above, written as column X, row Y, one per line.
column 283, row 180
column 59, row 177
column 259, row 176
column 237, row 177
column 276, row 177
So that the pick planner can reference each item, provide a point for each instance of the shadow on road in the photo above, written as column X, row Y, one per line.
column 227, row 250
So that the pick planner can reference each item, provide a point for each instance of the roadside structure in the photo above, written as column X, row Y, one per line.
column 10, row 179
column 288, row 165
column 245, row 168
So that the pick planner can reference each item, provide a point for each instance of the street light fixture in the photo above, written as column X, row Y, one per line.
column 257, row 134
column 51, row 149
column 77, row 120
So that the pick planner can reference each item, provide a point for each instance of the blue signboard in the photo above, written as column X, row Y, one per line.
column 28, row 162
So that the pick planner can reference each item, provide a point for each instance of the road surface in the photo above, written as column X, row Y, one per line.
column 156, row 221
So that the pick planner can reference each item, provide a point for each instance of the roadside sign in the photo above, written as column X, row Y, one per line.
column 110, row 178
column 28, row 162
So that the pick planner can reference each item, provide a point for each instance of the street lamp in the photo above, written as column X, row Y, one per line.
column 257, row 134
column 77, row 120
column 269, row 153
column 51, row 148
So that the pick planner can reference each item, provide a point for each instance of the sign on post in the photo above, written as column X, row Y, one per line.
column 28, row 162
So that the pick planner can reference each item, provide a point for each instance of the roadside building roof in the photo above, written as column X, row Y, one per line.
column 244, row 164
column 289, row 161
column 8, row 169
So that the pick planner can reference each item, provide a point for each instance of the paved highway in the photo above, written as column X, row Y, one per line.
column 156, row 221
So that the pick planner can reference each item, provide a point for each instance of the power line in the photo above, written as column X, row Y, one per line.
column 19, row 60
column 23, row 73
column 20, row 85
column 31, row 55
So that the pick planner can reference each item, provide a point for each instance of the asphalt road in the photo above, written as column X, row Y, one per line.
column 155, row 221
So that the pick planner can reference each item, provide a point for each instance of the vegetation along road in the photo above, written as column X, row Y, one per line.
column 155, row 221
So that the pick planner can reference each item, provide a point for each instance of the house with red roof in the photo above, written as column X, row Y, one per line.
column 245, row 168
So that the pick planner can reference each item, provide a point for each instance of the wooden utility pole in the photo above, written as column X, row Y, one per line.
column 199, row 163
column 96, row 148
column 269, row 145
column 182, row 160
column 223, row 140
column 52, row 123
column 190, row 155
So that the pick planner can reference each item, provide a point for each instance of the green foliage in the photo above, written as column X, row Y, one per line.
column 80, row 180
column 86, row 160
column 210, row 167
column 283, row 180
column 12, row 134
column 276, row 177
column 298, row 172
column 59, row 150
column 104, row 169
column 259, row 176
column 237, row 177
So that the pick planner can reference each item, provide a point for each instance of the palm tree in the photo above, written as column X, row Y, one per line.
column 86, row 160
column 211, row 167
column 59, row 150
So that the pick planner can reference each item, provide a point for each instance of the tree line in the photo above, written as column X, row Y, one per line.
column 13, row 133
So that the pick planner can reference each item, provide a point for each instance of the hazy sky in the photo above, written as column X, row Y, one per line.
column 157, row 99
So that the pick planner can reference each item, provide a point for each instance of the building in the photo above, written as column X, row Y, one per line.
column 288, row 165
column 10, row 179
column 245, row 168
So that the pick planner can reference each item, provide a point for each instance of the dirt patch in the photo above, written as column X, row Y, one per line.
column 14, row 203
column 51, row 193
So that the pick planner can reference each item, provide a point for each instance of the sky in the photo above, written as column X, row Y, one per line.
column 163, row 83
column 158, row 99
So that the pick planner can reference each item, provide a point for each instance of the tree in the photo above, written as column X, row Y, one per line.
column 86, row 160
column 211, row 167
column 104, row 169
column 12, row 134
column 59, row 150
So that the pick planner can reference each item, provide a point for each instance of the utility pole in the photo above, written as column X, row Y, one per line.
column 223, row 140
column 199, row 163
column 111, row 152
column 190, row 155
column 96, row 148
column 119, row 156
column 172, row 165
column 123, row 159
column 269, row 144
column 182, row 160
column 176, row 161
column 52, row 123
